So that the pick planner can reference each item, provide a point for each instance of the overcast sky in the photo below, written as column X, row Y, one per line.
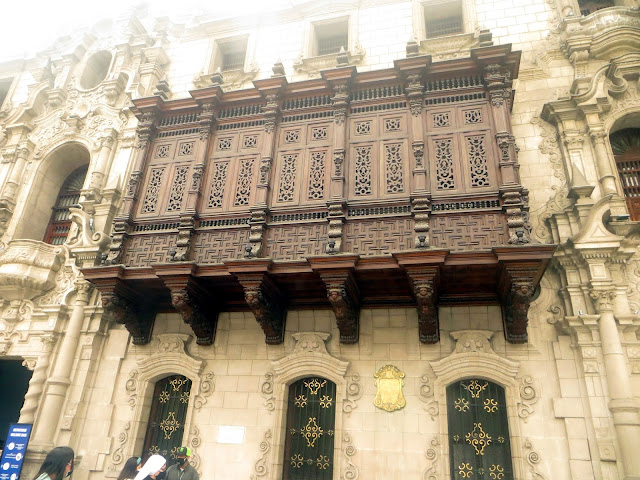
column 29, row 26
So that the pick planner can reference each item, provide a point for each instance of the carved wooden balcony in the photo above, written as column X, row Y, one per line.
column 394, row 187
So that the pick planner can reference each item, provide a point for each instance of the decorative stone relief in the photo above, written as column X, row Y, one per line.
column 194, row 443
column 206, row 389
column 350, row 471
column 426, row 395
column 528, row 396
column 310, row 354
column 431, row 473
column 132, row 387
column 354, row 392
column 473, row 341
column 118, row 454
column 260, row 468
column 266, row 389
column 533, row 459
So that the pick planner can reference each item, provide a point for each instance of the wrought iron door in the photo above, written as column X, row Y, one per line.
column 166, row 420
column 310, row 434
column 479, row 445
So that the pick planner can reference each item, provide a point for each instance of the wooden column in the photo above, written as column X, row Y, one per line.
column 339, row 80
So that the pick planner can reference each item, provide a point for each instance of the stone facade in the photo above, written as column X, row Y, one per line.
column 572, row 388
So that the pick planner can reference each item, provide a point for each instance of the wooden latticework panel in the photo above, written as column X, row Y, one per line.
column 289, row 242
column 217, row 246
column 468, row 231
column 374, row 237
column 143, row 250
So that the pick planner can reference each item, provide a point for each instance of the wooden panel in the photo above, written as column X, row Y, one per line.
column 375, row 237
column 217, row 246
column 143, row 250
column 468, row 231
column 289, row 242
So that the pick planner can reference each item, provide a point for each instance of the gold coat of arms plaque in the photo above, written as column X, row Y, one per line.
column 389, row 382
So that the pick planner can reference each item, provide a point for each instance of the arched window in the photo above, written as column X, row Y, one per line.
column 479, row 445
column 96, row 69
column 165, row 430
column 625, row 145
column 59, row 223
column 310, row 430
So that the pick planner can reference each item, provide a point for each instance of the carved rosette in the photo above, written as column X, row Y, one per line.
column 196, row 311
column 267, row 304
column 414, row 94
column 136, row 319
column 343, row 295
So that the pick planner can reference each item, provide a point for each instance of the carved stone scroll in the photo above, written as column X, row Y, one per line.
column 260, row 468
column 263, row 297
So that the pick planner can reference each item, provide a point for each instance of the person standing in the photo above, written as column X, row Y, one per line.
column 131, row 468
column 182, row 470
column 57, row 465
column 152, row 468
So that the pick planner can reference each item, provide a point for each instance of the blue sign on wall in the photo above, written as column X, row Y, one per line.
column 14, row 451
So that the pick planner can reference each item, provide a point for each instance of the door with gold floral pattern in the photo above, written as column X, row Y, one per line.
column 310, row 431
column 479, row 446
column 166, row 419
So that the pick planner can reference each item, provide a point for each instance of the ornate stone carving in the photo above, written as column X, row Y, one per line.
column 36, row 383
column 260, row 468
column 426, row 395
column 431, row 473
column 528, row 397
column 354, row 392
column 138, row 321
column 342, row 292
column 206, row 389
column 351, row 472
column 266, row 389
column 603, row 299
column 195, row 306
column 473, row 341
column 118, row 454
column 131, row 386
column 533, row 459
column 195, row 442
column 424, row 281
column 118, row 238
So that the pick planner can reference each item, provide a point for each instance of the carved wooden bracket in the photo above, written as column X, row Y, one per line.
column 262, row 296
column 121, row 306
column 337, row 273
column 516, row 287
column 424, row 282
column 193, row 302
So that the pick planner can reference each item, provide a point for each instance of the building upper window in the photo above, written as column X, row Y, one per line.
column 625, row 145
column 59, row 223
column 310, row 430
column 231, row 54
column 479, row 443
column 96, row 69
column 330, row 37
column 587, row 7
column 5, row 85
column 443, row 18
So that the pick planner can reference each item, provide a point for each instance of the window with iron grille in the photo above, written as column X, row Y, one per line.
column 479, row 444
column 331, row 37
column 443, row 18
column 587, row 7
column 625, row 145
column 310, row 430
column 59, row 223
column 165, row 429
column 231, row 54
column 232, row 61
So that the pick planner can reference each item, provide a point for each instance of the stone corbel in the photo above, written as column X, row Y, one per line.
column 121, row 306
column 342, row 292
column 516, row 289
column 192, row 303
column 262, row 295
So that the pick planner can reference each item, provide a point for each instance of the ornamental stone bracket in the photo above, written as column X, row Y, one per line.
column 337, row 273
column 262, row 295
column 516, row 287
column 121, row 305
column 606, row 33
column 449, row 46
column 192, row 301
column 85, row 243
column 312, row 66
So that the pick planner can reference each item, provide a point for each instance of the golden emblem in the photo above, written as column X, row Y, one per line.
column 474, row 388
column 314, row 385
column 465, row 470
column 496, row 472
column 478, row 438
column 311, row 432
column 462, row 405
column 490, row 405
column 389, row 382
column 169, row 425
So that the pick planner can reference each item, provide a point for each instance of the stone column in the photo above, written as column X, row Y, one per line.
column 58, row 384
column 36, row 384
column 101, row 165
column 10, row 190
column 622, row 405
column 603, row 165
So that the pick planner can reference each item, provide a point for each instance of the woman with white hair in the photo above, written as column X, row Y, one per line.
column 152, row 467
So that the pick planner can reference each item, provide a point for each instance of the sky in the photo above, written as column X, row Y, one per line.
column 29, row 26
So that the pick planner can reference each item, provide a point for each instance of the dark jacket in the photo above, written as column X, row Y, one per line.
column 174, row 473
